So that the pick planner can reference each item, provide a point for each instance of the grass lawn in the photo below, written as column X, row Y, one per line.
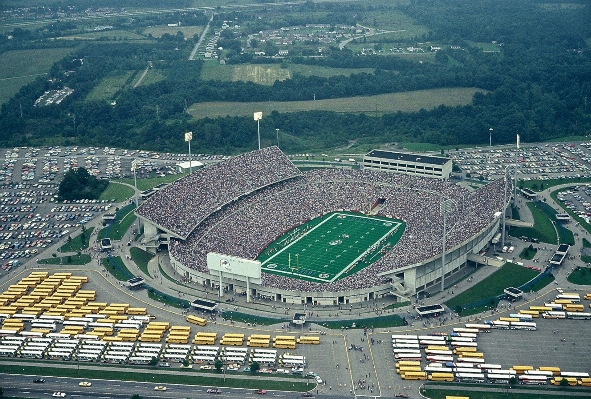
column 167, row 299
column 543, row 228
column 117, row 192
column 119, row 271
column 539, row 185
column 109, row 86
column 372, row 105
column 151, row 182
column 143, row 374
column 547, row 280
column 141, row 259
column 375, row 322
column 510, row 275
column 528, row 253
column 581, row 276
column 77, row 243
column 188, row 31
column 21, row 67
column 253, row 319
column 125, row 218
column 67, row 260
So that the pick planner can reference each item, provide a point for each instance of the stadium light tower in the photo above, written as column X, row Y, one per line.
column 446, row 207
column 504, row 210
column 188, row 138
column 133, row 169
column 490, row 130
column 277, row 129
column 257, row 117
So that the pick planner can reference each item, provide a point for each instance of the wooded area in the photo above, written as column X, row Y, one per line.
column 539, row 84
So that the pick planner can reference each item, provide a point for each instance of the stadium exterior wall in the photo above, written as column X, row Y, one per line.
column 414, row 277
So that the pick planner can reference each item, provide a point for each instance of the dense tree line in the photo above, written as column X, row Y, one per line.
column 539, row 82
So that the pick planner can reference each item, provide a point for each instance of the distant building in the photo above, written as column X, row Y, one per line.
column 184, row 167
column 411, row 164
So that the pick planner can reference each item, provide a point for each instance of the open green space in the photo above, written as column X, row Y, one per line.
column 79, row 242
column 141, row 259
column 167, row 299
column 370, row 322
column 528, row 253
column 188, row 31
column 509, row 275
column 109, row 86
column 76, row 259
column 118, row 270
column 123, row 221
column 540, row 185
column 185, row 377
column 20, row 67
column 105, row 35
column 253, row 319
column 581, row 276
column 412, row 101
column 331, row 247
column 117, row 192
column 151, row 182
column 543, row 228
column 267, row 74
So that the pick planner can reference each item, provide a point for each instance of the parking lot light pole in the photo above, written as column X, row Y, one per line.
column 257, row 117
column 504, row 210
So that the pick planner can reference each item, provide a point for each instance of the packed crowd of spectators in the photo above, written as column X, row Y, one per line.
column 181, row 206
column 236, row 216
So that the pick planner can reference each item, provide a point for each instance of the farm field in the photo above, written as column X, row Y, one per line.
column 188, row 31
column 21, row 67
column 412, row 101
column 267, row 74
column 109, row 34
column 109, row 86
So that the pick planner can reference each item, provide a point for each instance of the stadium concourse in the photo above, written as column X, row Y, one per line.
column 239, row 206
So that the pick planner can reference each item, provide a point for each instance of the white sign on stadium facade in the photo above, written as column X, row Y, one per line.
column 234, row 267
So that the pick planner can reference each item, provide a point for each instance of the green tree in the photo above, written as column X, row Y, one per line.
column 255, row 367
column 136, row 396
column 186, row 363
column 218, row 365
column 564, row 382
column 153, row 361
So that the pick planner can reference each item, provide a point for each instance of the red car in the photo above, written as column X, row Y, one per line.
column 260, row 392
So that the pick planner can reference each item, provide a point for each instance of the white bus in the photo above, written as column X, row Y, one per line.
column 432, row 337
column 87, row 357
column 574, row 374
column 59, row 355
column 408, row 356
column 399, row 350
column 292, row 362
column 120, row 359
column 82, row 319
column 462, row 339
column 466, row 370
column 406, row 346
column 66, row 341
column 574, row 298
column 171, row 357
column 267, row 351
column 438, row 352
column 207, row 359
column 470, row 360
column 522, row 317
column 85, row 337
column 179, row 346
column 91, row 351
column 502, row 371
column 31, row 353
column 470, row 377
column 53, row 319
column 554, row 306
column 44, row 326
column 234, row 349
column 146, row 345
column 464, row 344
column 31, row 334
column 129, row 345
column 58, row 336
column 487, row 366
column 523, row 325
column 139, row 360
column 404, row 336
column 96, row 324
column 173, row 351
column 498, row 378
column 7, row 333
column 479, row 327
column 465, row 330
column 20, row 340
column 206, row 348
column 533, row 379
column 425, row 343
column 8, row 351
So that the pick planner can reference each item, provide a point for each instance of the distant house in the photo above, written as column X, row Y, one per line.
column 283, row 52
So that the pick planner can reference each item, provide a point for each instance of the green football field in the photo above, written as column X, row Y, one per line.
column 331, row 247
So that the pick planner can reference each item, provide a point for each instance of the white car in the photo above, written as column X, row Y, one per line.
column 59, row 394
column 85, row 383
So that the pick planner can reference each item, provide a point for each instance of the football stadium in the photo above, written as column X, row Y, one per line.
column 256, row 225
